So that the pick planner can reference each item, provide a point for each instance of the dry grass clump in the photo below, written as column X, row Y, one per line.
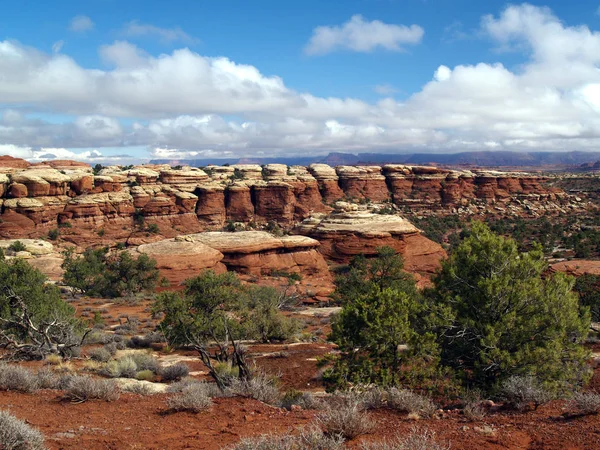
column 17, row 435
column 522, row 391
column 416, row 440
column 410, row 402
column 309, row 438
column 100, row 354
column 17, row 378
column 193, row 398
column 347, row 419
column 261, row 387
column 587, row 402
column 83, row 388
column 474, row 410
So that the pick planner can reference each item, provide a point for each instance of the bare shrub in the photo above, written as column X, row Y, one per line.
column 304, row 400
column 410, row 402
column 100, row 354
column 83, row 388
column 587, row 402
column 145, row 361
column 175, row 372
column 261, row 387
column 522, row 391
column 416, row 440
column 369, row 397
column 474, row 410
column 47, row 379
column 193, row 398
column 348, row 420
column 17, row 435
column 139, row 389
column 309, row 438
column 16, row 378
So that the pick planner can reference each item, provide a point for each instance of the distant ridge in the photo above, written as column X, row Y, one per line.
column 480, row 159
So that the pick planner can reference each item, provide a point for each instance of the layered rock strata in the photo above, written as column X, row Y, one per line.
column 35, row 198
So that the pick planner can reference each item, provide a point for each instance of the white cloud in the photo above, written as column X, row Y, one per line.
column 135, row 29
column 57, row 46
column 360, row 35
column 81, row 24
column 185, row 103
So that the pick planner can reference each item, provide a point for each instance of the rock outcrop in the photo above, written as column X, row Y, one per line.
column 181, row 258
column 352, row 230
column 37, row 197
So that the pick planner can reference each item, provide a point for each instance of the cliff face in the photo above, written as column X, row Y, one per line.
column 35, row 198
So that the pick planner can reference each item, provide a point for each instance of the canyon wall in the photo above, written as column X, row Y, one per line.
column 36, row 198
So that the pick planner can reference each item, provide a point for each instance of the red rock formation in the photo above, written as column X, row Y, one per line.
column 238, row 203
column 327, row 179
column 13, row 163
column 364, row 182
column 210, row 208
column 274, row 201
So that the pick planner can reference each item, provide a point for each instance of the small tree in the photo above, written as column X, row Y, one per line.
column 97, row 272
column 381, row 312
column 34, row 320
column 502, row 318
column 214, row 313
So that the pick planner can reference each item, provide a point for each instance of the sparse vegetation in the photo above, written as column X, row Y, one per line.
column 587, row 402
column 17, row 246
column 523, row 391
column 83, row 388
column 17, row 435
column 348, row 420
column 192, row 398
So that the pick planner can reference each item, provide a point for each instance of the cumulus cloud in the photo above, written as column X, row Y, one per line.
column 81, row 24
column 135, row 29
column 359, row 35
column 185, row 103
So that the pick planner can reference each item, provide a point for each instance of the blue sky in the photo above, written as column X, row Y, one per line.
column 238, row 78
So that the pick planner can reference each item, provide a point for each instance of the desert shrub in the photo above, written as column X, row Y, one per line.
column 520, row 392
column 99, row 273
column 416, row 440
column 145, row 341
column 17, row 246
column 153, row 228
column 174, row 372
column 410, row 402
column 260, row 387
column 587, row 402
column 120, row 368
column 309, row 438
column 369, row 398
column 53, row 234
column 305, row 400
column 53, row 360
column 474, row 410
column 47, row 379
column 194, row 398
column 348, row 419
column 145, row 375
column 145, row 361
column 83, row 388
column 100, row 354
column 17, row 378
column 17, row 435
